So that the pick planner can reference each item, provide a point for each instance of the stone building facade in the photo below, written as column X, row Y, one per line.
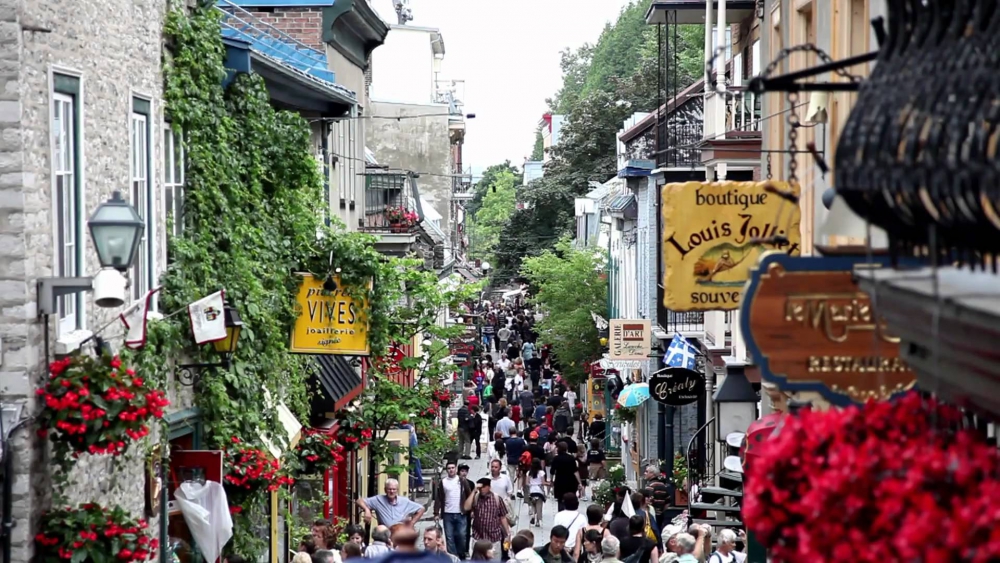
column 81, row 116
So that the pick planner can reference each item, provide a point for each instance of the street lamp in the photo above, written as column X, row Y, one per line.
column 116, row 230
column 735, row 404
column 189, row 374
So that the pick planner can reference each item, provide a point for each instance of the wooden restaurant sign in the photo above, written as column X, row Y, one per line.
column 810, row 327
column 713, row 234
column 330, row 320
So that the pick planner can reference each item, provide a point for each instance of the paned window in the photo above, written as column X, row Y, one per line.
column 141, row 276
column 68, row 195
column 173, row 180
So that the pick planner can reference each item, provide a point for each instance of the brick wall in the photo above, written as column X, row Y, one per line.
column 303, row 24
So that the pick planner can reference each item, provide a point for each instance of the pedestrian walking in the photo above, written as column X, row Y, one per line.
column 503, row 335
column 464, row 440
column 570, row 517
column 637, row 542
column 500, row 483
column 476, row 430
column 537, row 482
column 595, row 523
column 516, row 446
column 489, row 516
column 433, row 539
column 565, row 474
column 450, row 494
column 555, row 550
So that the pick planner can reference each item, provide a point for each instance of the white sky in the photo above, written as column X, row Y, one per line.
column 507, row 51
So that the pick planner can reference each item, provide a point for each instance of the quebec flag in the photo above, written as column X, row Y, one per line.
column 681, row 354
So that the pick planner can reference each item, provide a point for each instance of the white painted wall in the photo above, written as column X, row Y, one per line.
column 403, row 67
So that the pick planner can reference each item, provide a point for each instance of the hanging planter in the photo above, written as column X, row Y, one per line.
column 442, row 396
column 318, row 451
column 93, row 533
column 353, row 436
column 94, row 405
column 897, row 481
column 250, row 470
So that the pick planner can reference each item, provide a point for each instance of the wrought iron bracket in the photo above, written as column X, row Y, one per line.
column 788, row 82
column 189, row 375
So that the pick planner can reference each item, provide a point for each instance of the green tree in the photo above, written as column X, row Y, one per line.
column 488, row 179
column 574, row 65
column 492, row 217
column 538, row 151
column 569, row 284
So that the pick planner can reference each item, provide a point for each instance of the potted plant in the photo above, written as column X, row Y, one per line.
column 607, row 489
column 249, row 470
column 317, row 451
column 680, row 480
column 625, row 414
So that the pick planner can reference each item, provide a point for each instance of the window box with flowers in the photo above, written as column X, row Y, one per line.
column 91, row 532
column 401, row 219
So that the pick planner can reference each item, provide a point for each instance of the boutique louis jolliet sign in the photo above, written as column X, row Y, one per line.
column 811, row 328
column 330, row 320
column 713, row 234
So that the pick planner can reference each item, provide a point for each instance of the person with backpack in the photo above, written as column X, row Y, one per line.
column 725, row 550
column 637, row 548
column 515, row 447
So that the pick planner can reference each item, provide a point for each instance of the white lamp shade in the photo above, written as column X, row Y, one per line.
column 735, row 417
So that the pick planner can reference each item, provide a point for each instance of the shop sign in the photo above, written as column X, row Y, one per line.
column 329, row 320
column 629, row 339
column 713, row 234
column 810, row 327
column 676, row 386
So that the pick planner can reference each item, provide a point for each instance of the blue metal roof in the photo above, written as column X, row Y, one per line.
column 271, row 42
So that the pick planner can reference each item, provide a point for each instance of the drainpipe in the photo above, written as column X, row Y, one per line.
column 8, row 489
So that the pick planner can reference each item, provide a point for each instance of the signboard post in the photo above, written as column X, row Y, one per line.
column 676, row 386
column 713, row 234
column 811, row 328
column 629, row 339
column 329, row 320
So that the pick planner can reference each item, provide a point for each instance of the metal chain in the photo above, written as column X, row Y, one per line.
column 769, row 176
column 781, row 56
column 793, row 136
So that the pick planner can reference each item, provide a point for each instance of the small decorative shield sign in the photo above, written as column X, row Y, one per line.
column 676, row 386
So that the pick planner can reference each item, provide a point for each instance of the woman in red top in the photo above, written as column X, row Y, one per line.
column 515, row 414
column 549, row 413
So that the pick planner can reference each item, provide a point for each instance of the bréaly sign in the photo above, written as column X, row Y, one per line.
column 676, row 386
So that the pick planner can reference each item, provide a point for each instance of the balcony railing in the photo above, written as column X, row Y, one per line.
column 390, row 204
column 742, row 111
column 691, row 321
column 678, row 143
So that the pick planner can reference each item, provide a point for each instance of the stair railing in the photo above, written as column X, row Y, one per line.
column 709, row 462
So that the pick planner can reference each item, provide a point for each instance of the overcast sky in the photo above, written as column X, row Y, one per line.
column 507, row 52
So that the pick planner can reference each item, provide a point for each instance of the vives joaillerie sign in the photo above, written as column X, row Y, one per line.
column 811, row 328
column 713, row 234
column 330, row 320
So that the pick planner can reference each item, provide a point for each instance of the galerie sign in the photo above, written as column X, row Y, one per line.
column 628, row 339
column 676, row 386
column 713, row 234
column 811, row 328
column 329, row 320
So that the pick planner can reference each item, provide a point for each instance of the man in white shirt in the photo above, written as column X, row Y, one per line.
column 504, row 362
column 502, row 484
column 571, row 518
column 506, row 427
column 504, row 335
column 449, row 503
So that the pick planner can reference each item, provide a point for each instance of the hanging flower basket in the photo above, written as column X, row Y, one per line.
column 250, row 470
column 895, row 481
column 96, row 406
column 353, row 436
column 93, row 533
column 442, row 396
column 318, row 451
column 625, row 414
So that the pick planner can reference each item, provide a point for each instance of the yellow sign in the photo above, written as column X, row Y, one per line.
column 713, row 234
column 330, row 321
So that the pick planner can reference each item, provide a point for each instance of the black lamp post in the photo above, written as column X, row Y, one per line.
column 189, row 374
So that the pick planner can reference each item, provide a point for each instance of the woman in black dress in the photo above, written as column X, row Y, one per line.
column 565, row 474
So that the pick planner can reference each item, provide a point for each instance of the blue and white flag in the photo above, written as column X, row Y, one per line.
column 681, row 354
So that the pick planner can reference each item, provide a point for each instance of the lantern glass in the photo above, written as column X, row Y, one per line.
column 735, row 417
column 234, row 326
column 116, row 230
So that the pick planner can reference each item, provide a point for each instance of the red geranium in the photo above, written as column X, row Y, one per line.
column 90, row 532
column 890, row 481
column 250, row 469
column 353, row 436
column 317, row 451
column 442, row 396
column 94, row 405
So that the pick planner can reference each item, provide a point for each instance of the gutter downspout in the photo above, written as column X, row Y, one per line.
column 8, row 489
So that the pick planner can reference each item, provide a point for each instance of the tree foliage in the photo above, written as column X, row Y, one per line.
column 498, row 199
column 538, row 150
column 569, row 284
column 603, row 84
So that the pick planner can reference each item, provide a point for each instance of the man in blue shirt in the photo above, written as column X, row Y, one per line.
column 515, row 447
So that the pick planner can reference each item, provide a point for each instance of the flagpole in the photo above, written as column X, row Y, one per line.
column 117, row 318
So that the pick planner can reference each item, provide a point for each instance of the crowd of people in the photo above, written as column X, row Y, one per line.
column 541, row 445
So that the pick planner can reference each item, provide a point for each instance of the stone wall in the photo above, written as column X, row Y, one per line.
column 114, row 47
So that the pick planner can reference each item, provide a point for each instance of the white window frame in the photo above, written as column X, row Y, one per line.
column 173, row 180
column 141, row 276
column 68, row 202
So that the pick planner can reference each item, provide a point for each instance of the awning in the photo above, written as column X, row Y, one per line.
column 291, row 425
column 339, row 381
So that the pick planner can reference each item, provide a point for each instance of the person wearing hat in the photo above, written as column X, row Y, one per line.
column 489, row 515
